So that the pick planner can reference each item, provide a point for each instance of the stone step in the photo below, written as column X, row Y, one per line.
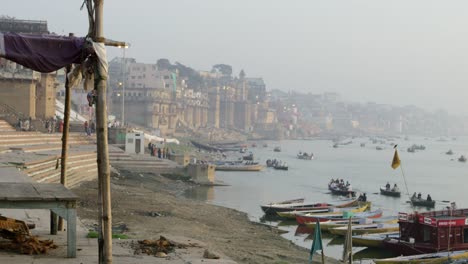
column 51, row 165
column 51, row 174
column 78, row 178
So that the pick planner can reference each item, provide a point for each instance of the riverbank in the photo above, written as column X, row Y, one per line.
column 150, row 205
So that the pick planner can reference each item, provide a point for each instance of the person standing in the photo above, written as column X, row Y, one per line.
column 159, row 152
column 86, row 127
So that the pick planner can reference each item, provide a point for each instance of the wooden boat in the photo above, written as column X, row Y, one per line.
column 327, row 225
column 265, row 145
column 248, row 157
column 273, row 209
column 303, row 219
column 338, row 191
column 422, row 202
column 373, row 240
column 386, row 192
column 329, row 210
column 335, row 145
column 305, row 156
column 449, row 152
column 239, row 167
column 432, row 258
column 462, row 158
column 365, row 229
column 277, row 149
column 281, row 166
column 427, row 232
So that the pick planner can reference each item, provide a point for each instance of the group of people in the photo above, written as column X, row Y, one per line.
column 419, row 196
column 24, row 124
column 89, row 127
column 162, row 153
column 362, row 197
column 394, row 189
column 339, row 183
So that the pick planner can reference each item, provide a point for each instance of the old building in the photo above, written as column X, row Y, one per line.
column 24, row 91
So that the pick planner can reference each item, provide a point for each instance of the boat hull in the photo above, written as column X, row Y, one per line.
column 373, row 240
column 239, row 168
column 386, row 192
column 341, row 231
column 433, row 258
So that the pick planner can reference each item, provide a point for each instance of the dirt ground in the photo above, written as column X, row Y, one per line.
column 150, row 205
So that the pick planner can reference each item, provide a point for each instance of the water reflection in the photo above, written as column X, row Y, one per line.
column 201, row 193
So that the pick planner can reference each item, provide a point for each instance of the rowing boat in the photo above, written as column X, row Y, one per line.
column 373, row 240
column 365, row 229
column 433, row 258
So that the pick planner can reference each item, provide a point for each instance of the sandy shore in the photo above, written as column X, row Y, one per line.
column 151, row 205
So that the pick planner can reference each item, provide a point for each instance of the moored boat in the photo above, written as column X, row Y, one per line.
column 239, row 167
column 330, row 210
column 303, row 219
column 462, row 158
column 427, row 232
column 390, row 192
column 277, row 149
column 433, row 258
column 365, row 229
column 449, row 152
column 273, row 209
column 374, row 240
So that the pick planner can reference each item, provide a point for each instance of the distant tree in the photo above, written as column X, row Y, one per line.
column 164, row 64
column 222, row 68
column 242, row 74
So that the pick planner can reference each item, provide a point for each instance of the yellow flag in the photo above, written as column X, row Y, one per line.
column 396, row 160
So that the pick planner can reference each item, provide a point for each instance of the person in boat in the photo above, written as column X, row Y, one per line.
column 387, row 186
column 395, row 188
column 349, row 188
column 419, row 195
column 429, row 198
column 414, row 195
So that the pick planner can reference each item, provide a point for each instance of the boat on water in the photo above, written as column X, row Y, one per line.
column 265, row 145
column 305, row 156
column 254, row 145
column 422, row 202
column 363, row 145
column 390, row 192
column 248, row 157
column 373, row 240
column 449, row 152
column 239, row 167
column 273, row 208
column 303, row 219
column 335, row 145
column 277, row 149
column 327, row 225
column 433, row 258
column 337, row 190
column 330, row 210
column 379, row 148
column 281, row 166
column 365, row 229
column 427, row 232
column 271, row 163
column 462, row 158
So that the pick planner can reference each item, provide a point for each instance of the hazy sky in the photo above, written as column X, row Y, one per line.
column 395, row 51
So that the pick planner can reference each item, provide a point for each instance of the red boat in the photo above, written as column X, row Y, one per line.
column 303, row 219
column 427, row 232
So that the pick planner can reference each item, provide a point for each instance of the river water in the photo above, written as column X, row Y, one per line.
column 366, row 168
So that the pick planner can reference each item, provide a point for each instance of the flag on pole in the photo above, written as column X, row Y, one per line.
column 396, row 160
column 317, row 244
column 348, row 245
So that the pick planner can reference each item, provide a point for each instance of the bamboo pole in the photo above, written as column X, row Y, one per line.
column 102, row 147
column 66, row 125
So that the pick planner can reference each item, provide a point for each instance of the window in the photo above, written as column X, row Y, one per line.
column 426, row 234
column 130, row 140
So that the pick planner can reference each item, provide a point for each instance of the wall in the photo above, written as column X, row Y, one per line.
column 202, row 173
column 19, row 94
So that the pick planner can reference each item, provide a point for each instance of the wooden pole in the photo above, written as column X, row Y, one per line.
column 66, row 125
column 102, row 147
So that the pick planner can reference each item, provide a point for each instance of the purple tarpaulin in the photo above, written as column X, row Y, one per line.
column 42, row 53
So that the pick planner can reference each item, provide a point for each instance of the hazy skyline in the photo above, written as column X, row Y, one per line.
column 396, row 52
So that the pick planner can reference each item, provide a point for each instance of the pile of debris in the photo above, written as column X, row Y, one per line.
column 158, row 248
column 17, row 238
